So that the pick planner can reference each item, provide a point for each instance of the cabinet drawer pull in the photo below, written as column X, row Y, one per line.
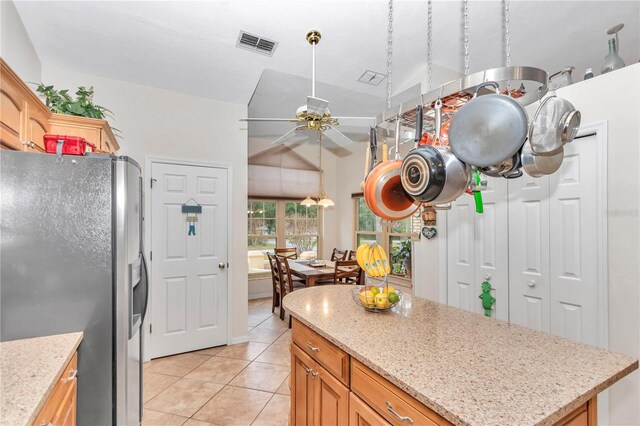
column 314, row 374
column 398, row 416
column 72, row 376
column 46, row 423
column 313, row 348
column 308, row 370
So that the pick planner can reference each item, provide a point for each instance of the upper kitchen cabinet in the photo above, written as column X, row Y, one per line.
column 96, row 131
column 24, row 119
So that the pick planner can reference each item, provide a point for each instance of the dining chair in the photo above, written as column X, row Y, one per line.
column 287, row 284
column 351, row 255
column 339, row 254
column 347, row 272
column 288, row 252
column 275, row 280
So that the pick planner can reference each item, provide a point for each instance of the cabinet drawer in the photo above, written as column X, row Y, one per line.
column 360, row 414
column 395, row 405
column 60, row 407
column 332, row 358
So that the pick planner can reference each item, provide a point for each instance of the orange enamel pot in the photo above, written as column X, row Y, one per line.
column 384, row 193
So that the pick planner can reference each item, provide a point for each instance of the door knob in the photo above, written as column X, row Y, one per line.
column 531, row 283
column 221, row 265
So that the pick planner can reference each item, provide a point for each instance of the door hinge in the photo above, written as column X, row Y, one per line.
column 150, row 256
column 150, row 328
column 153, row 180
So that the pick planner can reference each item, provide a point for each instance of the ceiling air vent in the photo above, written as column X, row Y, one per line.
column 257, row 44
column 372, row 77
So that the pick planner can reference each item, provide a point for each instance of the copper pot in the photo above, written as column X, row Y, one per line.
column 383, row 190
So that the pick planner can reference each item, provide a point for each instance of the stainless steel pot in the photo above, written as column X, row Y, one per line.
column 540, row 165
column 434, row 175
column 488, row 129
column 508, row 169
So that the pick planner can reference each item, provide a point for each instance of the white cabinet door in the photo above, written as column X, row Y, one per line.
column 574, row 249
column 189, row 275
column 529, row 252
column 477, row 249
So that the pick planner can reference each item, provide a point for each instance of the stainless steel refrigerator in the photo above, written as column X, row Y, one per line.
column 71, row 259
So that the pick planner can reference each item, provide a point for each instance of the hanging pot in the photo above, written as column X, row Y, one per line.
column 383, row 191
column 540, row 165
column 555, row 124
column 434, row 175
column 488, row 129
column 508, row 169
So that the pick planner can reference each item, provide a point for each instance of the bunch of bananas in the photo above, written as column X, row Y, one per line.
column 372, row 258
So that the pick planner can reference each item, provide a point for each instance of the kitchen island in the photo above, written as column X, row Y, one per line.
column 38, row 378
column 428, row 363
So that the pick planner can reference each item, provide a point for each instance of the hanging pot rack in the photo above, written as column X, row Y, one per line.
column 528, row 85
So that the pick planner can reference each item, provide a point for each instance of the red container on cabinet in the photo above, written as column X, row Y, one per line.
column 71, row 145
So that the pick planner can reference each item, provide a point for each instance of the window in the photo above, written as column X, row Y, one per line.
column 395, row 237
column 274, row 224
column 301, row 227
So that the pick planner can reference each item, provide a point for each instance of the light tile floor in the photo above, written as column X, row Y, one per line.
column 245, row 384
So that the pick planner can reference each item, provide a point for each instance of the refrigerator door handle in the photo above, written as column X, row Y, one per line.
column 144, row 281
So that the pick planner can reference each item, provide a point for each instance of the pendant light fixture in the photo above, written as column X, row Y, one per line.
column 323, row 200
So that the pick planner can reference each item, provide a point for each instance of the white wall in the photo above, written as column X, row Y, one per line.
column 605, row 98
column 162, row 123
column 15, row 45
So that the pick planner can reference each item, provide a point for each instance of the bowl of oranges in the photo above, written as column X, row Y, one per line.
column 376, row 299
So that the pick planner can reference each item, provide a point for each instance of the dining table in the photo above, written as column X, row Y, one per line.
column 311, row 274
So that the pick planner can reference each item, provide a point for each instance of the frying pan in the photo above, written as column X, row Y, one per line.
column 383, row 191
column 488, row 129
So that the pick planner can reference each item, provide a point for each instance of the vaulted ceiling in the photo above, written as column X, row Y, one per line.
column 190, row 46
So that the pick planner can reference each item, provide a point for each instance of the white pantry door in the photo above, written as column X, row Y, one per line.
column 478, row 249
column 189, row 275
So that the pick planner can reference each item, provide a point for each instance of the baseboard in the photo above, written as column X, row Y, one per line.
column 259, row 296
column 239, row 339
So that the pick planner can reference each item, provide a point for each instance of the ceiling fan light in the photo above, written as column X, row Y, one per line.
column 308, row 202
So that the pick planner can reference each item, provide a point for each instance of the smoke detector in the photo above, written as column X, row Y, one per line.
column 256, row 43
column 372, row 77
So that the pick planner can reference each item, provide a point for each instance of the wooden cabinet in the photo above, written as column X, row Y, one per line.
column 98, row 132
column 25, row 119
column 328, row 387
column 317, row 397
column 60, row 408
column 360, row 414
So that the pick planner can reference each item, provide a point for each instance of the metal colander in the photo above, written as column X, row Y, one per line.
column 555, row 123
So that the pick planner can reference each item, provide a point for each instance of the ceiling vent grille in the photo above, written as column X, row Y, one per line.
column 372, row 77
column 256, row 43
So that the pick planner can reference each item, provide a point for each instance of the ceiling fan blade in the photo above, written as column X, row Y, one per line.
column 316, row 106
column 290, row 136
column 293, row 120
column 355, row 121
column 335, row 136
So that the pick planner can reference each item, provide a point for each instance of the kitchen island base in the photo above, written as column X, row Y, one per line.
column 329, row 387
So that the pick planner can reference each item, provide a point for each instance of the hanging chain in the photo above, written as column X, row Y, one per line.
column 507, row 35
column 389, row 54
column 507, row 40
column 466, row 37
column 429, row 48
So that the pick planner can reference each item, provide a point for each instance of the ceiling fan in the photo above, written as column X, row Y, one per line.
column 315, row 115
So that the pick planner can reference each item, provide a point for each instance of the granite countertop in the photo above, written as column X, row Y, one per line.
column 29, row 370
column 470, row 369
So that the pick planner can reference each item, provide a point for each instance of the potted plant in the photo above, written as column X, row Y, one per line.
column 402, row 253
column 61, row 102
